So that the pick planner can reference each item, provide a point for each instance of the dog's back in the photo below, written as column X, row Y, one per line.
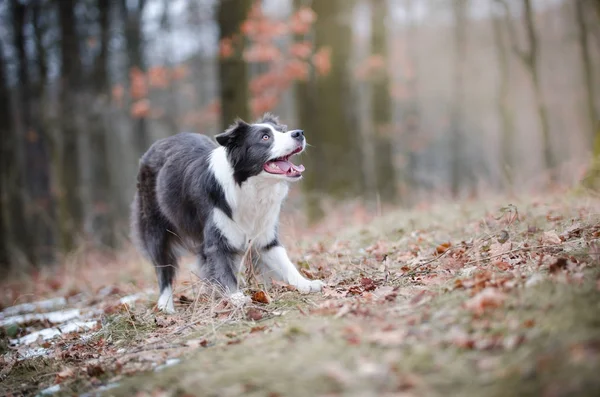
column 156, row 212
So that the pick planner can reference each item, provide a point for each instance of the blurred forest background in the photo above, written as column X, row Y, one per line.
column 401, row 100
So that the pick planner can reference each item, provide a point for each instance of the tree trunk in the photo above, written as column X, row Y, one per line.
column 233, row 71
column 67, row 157
column 7, row 167
column 529, row 59
column 411, row 112
column 503, row 102
column 334, row 164
column 591, row 179
column 103, row 222
column 37, row 154
column 132, row 19
column 460, row 20
column 381, row 104
column 305, row 94
column 586, row 63
column 17, row 186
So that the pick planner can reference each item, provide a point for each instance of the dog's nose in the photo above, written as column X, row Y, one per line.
column 298, row 134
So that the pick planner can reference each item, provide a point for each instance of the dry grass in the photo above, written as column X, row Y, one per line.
column 470, row 298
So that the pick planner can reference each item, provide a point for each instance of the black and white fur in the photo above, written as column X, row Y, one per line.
column 217, row 201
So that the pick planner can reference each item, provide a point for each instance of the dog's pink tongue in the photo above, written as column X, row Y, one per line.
column 283, row 165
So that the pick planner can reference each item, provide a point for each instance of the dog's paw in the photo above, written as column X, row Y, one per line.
column 165, row 302
column 308, row 286
column 238, row 299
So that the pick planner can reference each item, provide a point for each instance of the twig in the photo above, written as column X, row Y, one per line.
column 413, row 270
column 507, row 253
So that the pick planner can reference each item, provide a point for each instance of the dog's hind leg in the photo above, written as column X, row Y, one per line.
column 155, row 235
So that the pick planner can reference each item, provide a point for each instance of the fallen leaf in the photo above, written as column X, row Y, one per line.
column 559, row 264
column 503, row 237
column 94, row 370
column 66, row 372
column 551, row 237
column 258, row 329
column 368, row 284
column 185, row 300
column 195, row 343
column 502, row 265
column 440, row 249
column 489, row 298
column 261, row 297
column 388, row 338
column 254, row 314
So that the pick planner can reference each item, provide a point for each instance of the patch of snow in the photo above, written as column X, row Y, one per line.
column 170, row 362
column 50, row 333
column 468, row 271
column 50, row 390
column 33, row 352
column 99, row 390
column 534, row 280
column 126, row 300
column 34, row 306
column 54, row 317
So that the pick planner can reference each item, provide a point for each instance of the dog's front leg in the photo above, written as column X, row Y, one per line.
column 221, row 265
column 280, row 267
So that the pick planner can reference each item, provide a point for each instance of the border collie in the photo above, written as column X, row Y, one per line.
column 218, row 200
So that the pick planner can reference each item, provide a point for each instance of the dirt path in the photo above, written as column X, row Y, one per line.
column 462, row 299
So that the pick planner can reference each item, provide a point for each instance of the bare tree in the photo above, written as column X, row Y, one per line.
column 586, row 63
column 335, row 137
column 529, row 58
column 460, row 42
column 6, row 163
column 305, row 106
column 503, row 100
column 592, row 177
column 131, row 13
column 67, row 157
column 233, row 70
column 103, row 222
column 411, row 106
column 37, row 145
column 381, row 103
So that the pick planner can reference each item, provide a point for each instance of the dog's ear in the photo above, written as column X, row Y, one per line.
column 234, row 131
column 269, row 118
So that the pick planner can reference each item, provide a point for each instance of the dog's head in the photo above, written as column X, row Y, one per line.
column 263, row 148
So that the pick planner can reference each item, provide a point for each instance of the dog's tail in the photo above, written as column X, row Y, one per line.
column 151, row 231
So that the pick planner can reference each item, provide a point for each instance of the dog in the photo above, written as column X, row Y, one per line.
column 218, row 200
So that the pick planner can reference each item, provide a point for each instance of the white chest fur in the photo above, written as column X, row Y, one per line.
column 255, row 205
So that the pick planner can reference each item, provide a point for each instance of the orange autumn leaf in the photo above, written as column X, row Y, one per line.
column 138, row 87
column 263, row 104
column 117, row 94
column 296, row 70
column 262, row 52
column 261, row 297
column 263, row 82
column 140, row 109
column 489, row 298
column 440, row 249
column 301, row 50
column 158, row 77
column 322, row 61
column 302, row 20
column 179, row 72
column 226, row 49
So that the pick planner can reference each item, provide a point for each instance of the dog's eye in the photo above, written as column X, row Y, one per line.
column 265, row 137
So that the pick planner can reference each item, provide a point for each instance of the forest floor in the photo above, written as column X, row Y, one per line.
column 495, row 297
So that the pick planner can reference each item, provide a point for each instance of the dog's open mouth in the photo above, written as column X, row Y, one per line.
column 283, row 166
